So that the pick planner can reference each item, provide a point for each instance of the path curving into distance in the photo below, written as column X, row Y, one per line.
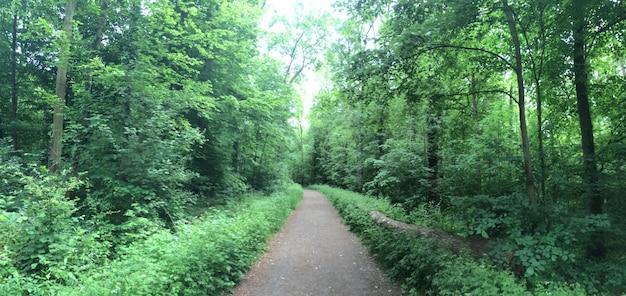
column 315, row 254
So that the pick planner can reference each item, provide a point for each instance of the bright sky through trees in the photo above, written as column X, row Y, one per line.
column 312, row 81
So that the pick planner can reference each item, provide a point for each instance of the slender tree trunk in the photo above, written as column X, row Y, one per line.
column 235, row 157
column 61, row 88
column 380, row 137
column 474, row 103
column 479, row 181
column 542, row 156
column 14, row 86
column 537, row 73
column 316, row 173
column 528, row 171
column 590, row 172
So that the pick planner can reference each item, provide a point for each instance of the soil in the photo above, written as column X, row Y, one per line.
column 315, row 254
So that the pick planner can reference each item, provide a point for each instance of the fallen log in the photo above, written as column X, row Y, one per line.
column 475, row 246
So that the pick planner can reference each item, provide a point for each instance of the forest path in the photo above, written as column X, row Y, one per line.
column 315, row 254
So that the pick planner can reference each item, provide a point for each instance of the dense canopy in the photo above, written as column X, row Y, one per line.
column 119, row 118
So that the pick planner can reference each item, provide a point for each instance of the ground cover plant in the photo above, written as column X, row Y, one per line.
column 204, row 256
column 419, row 266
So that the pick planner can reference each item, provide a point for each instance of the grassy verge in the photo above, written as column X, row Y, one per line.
column 205, row 257
column 420, row 268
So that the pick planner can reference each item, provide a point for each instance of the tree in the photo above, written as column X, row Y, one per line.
column 299, row 40
column 61, row 88
column 590, row 174
column 521, row 101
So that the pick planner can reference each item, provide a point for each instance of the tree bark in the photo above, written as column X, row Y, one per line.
column 590, row 177
column 542, row 155
column 61, row 88
column 528, row 171
column 476, row 246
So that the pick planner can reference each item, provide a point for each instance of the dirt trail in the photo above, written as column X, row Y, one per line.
column 315, row 254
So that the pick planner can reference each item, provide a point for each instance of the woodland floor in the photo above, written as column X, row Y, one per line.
column 315, row 254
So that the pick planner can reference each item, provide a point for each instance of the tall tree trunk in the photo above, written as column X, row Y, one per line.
column 316, row 171
column 537, row 67
column 61, row 88
column 528, row 171
column 590, row 172
column 14, row 86
column 542, row 156
column 381, row 131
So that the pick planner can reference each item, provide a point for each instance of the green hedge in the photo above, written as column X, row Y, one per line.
column 420, row 268
column 205, row 257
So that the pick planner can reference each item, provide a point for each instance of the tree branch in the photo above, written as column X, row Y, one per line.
column 610, row 25
column 292, row 55
column 452, row 46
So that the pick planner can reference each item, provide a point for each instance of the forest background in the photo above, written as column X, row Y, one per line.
column 123, row 118
column 507, row 117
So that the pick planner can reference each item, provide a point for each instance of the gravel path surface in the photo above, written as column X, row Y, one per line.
column 315, row 254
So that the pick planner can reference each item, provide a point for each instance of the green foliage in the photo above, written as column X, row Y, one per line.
column 487, row 162
column 433, row 216
column 40, row 233
column 465, row 276
column 399, row 171
column 133, row 159
column 206, row 256
column 419, row 266
column 169, row 109
column 539, row 243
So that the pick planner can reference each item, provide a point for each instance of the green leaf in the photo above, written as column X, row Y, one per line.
column 530, row 271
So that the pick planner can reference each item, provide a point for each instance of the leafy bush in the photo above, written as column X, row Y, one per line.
column 464, row 276
column 133, row 146
column 421, row 268
column 46, row 248
column 539, row 242
column 432, row 215
column 40, row 235
column 207, row 256
column 398, row 172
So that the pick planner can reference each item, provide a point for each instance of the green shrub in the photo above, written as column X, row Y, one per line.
column 547, row 242
column 207, row 256
column 432, row 215
column 421, row 268
column 464, row 276
column 42, row 240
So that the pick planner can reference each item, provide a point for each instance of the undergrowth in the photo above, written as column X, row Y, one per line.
column 422, row 269
column 204, row 256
